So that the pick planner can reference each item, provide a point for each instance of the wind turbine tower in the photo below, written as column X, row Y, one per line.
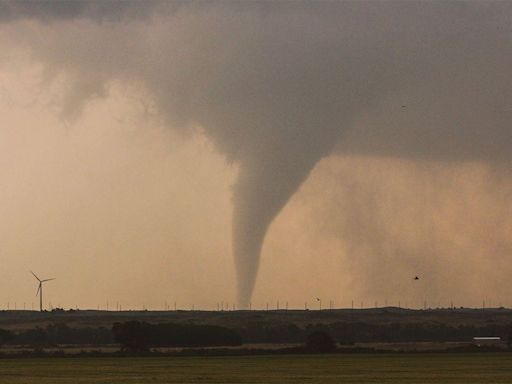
column 40, row 290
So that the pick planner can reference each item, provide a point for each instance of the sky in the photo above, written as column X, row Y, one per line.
column 154, row 153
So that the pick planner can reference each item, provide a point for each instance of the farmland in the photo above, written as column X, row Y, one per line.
column 339, row 368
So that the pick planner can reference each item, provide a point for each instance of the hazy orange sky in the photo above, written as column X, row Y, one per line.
column 120, row 206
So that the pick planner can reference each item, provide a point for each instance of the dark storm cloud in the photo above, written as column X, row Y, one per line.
column 49, row 10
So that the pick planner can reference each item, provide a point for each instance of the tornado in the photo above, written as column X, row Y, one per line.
column 260, row 192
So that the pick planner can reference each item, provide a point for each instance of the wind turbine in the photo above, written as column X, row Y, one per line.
column 40, row 290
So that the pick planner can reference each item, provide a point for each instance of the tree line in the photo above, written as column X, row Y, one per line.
column 136, row 335
column 352, row 332
column 143, row 335
column 131, row 335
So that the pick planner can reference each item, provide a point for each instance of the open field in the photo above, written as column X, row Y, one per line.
column 365, row 368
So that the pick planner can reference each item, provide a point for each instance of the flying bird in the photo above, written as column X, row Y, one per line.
column 416, row 278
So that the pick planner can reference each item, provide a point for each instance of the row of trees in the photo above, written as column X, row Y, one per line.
column 136, row 335
column 350, row 332
column 57, row 334
column 132, row 335
column 142, row 335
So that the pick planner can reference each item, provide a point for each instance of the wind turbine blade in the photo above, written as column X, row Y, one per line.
column 35, row 276
column 42, row 281
column 38, row 289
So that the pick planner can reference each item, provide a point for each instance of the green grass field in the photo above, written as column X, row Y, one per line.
column 399, row 368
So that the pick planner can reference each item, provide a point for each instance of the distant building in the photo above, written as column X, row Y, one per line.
column 481, row 341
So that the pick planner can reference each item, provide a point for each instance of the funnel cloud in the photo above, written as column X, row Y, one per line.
column 278, row 86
